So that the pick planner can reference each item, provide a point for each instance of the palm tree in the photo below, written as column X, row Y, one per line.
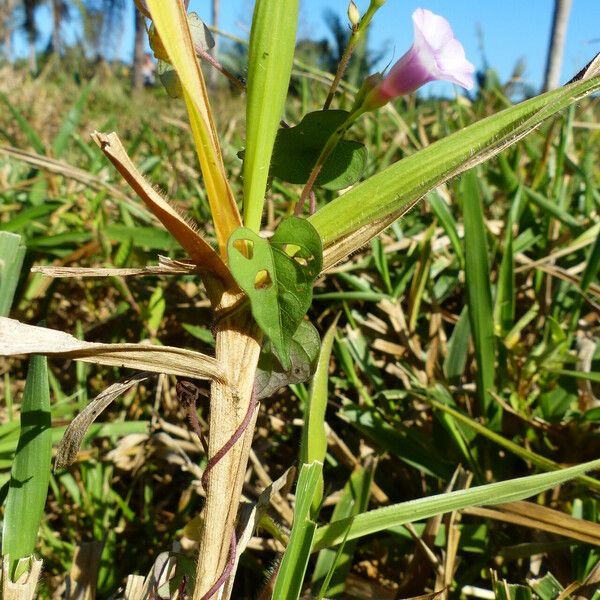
column 560, row 21
column 213, row 73
column 7, row 10
column 138, row 48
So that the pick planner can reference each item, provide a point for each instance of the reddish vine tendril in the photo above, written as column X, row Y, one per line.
column 188, row 394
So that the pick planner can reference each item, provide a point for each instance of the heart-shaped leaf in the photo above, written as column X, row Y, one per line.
column 278, row 277
column 304, row 353
column 297, row 150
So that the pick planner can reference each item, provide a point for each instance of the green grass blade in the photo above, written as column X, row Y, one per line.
column 504, row 304
column 458, row 348
column 416, row 510
column 71, row 122
column 12, row 253
column 270, row 59
column 30, row 471
column 517, row 449
column 360, row 214
column 479, row 296
column 295, row 559
column 333, row 567
column 446, row 219
column 23, row 123
column 313, row 446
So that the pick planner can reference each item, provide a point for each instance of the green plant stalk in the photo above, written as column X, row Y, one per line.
column 334, row 139
column 30, row 471
column 357, row 32
column 295, row 559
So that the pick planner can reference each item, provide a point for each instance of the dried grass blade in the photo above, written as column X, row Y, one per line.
column 70, row 444
column 198, row 249
column 530, row 515
column 18, row 338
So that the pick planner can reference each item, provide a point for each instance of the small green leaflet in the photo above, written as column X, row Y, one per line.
column 297, row 149
column 201, row 38
column 304, row 353
column 278, row 277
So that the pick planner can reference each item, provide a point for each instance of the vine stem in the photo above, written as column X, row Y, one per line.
column 329, row 147
column 357, row 32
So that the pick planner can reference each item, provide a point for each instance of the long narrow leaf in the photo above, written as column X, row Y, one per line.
column 12, row 253
column 270, row 59
column 416, row 510
column 295, row 560
column 30, row 471
column 352, row 219
column 479, row 295
column 18, row 338
column 314, row 439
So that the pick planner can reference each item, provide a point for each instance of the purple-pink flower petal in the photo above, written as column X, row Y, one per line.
column 435, row 55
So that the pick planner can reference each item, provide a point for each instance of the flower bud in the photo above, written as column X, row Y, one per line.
column 353, row 14
column 369, row 84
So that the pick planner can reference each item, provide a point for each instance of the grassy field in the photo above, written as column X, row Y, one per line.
column 408, row 367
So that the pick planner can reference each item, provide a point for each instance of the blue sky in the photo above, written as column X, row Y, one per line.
column 511, row 29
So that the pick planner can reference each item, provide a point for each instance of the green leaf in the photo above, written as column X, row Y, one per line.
column 277, row 277
column 297, row 149
column 458, row 348
column 169, row 78
column 511, row 591
column 304, row 352
column 270, row 59
column 409, row 445
column 295, row 559
column 546, row 587
column 332, row 567
column 351, row 220
column 30, row 471
column 12, row 253
column 479, row 294
column 71, row 122
column 415, row 510
column 313, row 446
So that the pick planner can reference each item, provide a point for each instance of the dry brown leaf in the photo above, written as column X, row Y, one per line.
column 198, row 249
column 529, row 514
column 71, row 442
column 25, row 587
column 84, row 571
column 17, row 338
column 175, row 268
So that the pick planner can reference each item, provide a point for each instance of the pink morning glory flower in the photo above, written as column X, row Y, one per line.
column 435, row 55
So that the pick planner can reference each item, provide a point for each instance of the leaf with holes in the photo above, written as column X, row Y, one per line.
column 297, row 149
column 304, row 352
column 277, row 277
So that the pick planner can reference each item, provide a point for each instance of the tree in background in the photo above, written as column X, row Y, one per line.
column 560, row 21
column 60, row 13
column 7, row 24
column 213, row 74
column 138, row 48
